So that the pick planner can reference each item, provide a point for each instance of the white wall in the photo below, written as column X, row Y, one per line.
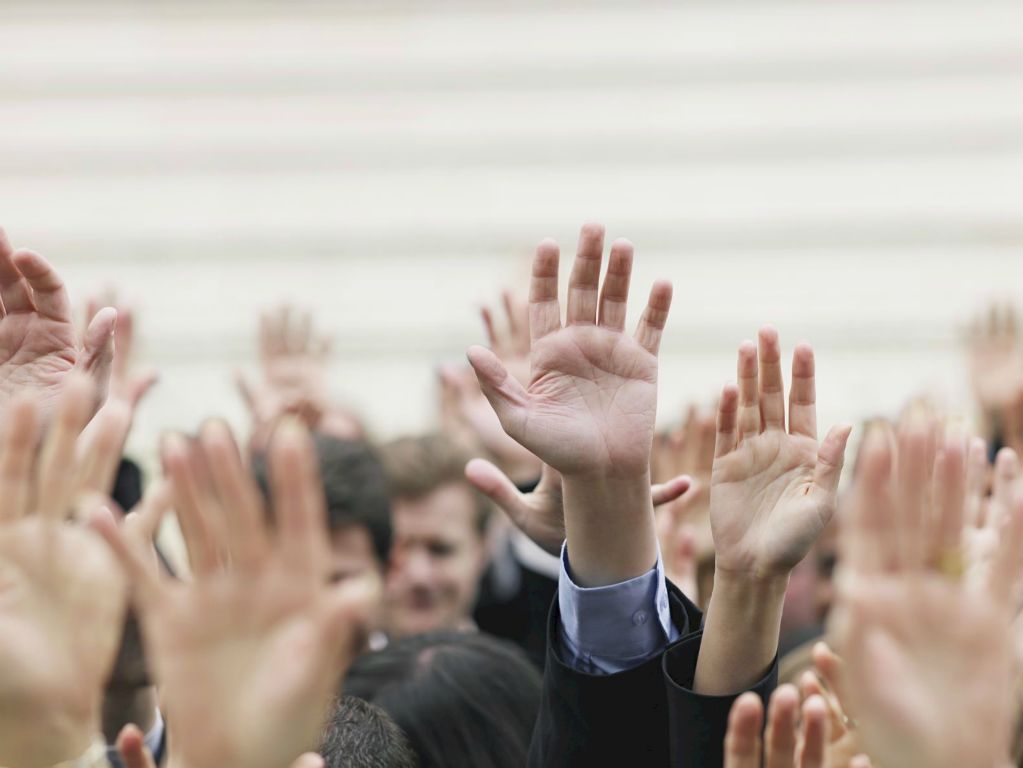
column 850, row 171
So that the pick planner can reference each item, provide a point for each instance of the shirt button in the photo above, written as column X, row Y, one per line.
column 639, row 618
column 663, row 605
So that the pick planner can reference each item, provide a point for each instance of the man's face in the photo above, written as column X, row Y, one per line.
column 436, row 561
column 354, row 562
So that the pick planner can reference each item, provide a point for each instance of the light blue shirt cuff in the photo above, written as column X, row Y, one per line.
column 610, row 629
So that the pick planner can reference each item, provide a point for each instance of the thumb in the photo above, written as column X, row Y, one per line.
column 506, row 395
column 831, row 458
column 99, row 349
column 495, row 485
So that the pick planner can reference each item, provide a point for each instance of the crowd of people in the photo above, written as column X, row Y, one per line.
column 545, row 580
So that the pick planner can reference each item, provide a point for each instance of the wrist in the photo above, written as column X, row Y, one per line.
column 609, row 526
column 740, row 637
column 749, row 593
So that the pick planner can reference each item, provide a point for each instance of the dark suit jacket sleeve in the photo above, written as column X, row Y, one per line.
column 597, row 720
column 698, row 723
column 646, row 716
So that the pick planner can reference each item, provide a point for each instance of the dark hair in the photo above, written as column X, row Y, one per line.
column 462, row 698
column 355, row 485
column 361, row 735
column 417, row 466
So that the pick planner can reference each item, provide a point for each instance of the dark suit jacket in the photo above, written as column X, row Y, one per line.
column 647, row 716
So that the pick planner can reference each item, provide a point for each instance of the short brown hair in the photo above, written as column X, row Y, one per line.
column 417, row 466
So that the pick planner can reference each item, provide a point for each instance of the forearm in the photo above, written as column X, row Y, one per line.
column 609, row 524
column 740, row 636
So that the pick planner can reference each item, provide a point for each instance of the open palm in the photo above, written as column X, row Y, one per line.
column 899, row 582
column 248, row 654
column 39, row 345
column 62, row 596
column 772, row 491
column 591, row 400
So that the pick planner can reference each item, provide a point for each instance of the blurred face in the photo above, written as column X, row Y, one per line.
column 354, row 562
column 436, row 561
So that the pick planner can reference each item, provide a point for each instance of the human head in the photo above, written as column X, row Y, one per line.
column 361, row 735
column 358, row 514
column 439, row 525
column 462, row 698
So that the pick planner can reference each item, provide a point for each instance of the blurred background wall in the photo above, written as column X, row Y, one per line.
column 851, row 171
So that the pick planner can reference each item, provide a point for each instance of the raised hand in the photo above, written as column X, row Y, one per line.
column 589, row 406
column 787, row 744
column 39, row 346
column 825, row 680
column 913, row 677
column 127, row 383
column 591, row 400
column 62, row 596
column 996, row 358
column 248, row 655
column 294, row 358
column 774, row 489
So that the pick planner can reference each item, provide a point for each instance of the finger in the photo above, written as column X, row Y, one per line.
column 308, row 760
column 742, row 741
column 17, row 456
column 861, row 761
column 131, row 745
column 299, row 503
column 727, row 421
column 915, row 466
column 1007, row 563
column 139, row 568
column 488, row 326
column 585, row 277
column 98, row 355
column 248, row 394
column 781, row 728
column 104, row 441
column 830, row 667
column 495, row 484
column 976, row 482
column 48, row 292
column 869, row 546
column 1003, row 485
column 56, row 478
column 654, row 317
column 749, row 405
column 513, row 313
column 810, row 685
column 141, row 525
column 614, row 295
column 13, row 288
column 544, row 309
column 665, row 493
column 141, row 387
column 772, row 386
column 197, row 530
column 803, row 393
column 816, row 733
column 949, row 501
column 239, row 497
column 831, row 459
column 124, row 337
column 506, row 395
